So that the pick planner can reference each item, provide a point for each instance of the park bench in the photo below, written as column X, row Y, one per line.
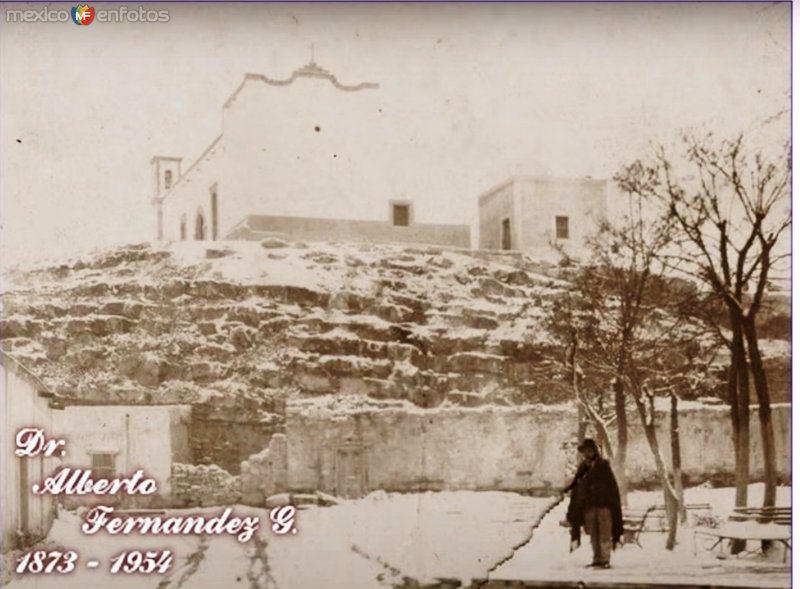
column 635, row 520
column 778, row 515
column 763, row 524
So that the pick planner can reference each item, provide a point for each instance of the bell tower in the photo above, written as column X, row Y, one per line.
column 166, row 171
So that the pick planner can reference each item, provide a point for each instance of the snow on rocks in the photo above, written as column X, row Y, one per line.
column 201, row 485
column 388, row 321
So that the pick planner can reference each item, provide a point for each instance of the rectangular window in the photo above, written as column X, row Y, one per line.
column 562, row 227
column 103, row 465
column 401, row 215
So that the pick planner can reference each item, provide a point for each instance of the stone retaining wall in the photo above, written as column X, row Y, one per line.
column 526, row 449
column 265, row 473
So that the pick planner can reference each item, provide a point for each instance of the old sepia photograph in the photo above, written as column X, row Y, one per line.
column 395, row 295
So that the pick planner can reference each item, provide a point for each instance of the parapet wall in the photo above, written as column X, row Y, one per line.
column 313, row 229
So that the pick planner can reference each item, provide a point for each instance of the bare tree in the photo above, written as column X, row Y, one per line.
column 645, row 405
column 620, row 312
column 732, row 208
column 710, row 312
column 587, row 411
column 574, row 321
column 675, row 450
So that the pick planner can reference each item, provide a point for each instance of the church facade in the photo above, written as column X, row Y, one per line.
column 294, row 160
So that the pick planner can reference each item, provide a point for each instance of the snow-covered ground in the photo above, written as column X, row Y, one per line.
column 547, row 556
column 423, row 536
column 361, row 544
column 372, row 542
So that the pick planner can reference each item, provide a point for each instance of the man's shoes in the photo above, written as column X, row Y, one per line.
column 598, row 565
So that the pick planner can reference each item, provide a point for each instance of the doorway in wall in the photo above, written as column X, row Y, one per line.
column 505, row 234
column 214, row 213
column 24, row 496
column 350, row 470
column 200, row 227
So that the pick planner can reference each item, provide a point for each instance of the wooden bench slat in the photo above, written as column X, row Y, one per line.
column 689, row 506
column 780, row 515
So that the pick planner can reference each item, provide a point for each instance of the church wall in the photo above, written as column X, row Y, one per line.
column 310, row 150
column 192, row 196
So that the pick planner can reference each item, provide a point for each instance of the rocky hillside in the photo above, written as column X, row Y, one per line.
column 241, row 325
column 236, row 328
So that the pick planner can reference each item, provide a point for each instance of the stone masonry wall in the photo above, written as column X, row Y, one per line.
column 265, row 473
column 225, row 438
column 203, row 486
column 526, row 449
column 706, row 447
column 408, row 450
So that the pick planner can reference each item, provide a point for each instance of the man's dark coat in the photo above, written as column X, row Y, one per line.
column 594, row 485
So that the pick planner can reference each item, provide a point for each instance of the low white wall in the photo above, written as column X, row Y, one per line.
column 25, row 516
column 143, row 437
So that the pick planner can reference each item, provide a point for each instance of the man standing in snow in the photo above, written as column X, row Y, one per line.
column 595, row 495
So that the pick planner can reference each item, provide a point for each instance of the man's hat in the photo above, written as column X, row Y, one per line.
column 588, row 444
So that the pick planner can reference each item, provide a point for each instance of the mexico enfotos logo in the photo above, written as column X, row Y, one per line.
column 85, row 15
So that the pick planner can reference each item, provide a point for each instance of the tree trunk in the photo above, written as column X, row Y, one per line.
column 675, row 447
column 670, row 496
column 739, row 400
column 600, row 426
column 764, row 412
column 622, row 439
column 672, row 507
column 740, row 406
column 582, row 419
column 572, row 361
column 586, row 413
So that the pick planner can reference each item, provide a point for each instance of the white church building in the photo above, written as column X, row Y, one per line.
column 294, row 159
column 312, row 158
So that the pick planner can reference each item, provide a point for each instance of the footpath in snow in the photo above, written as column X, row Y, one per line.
column 380, row 540
column 370, row 543
column 547, row 558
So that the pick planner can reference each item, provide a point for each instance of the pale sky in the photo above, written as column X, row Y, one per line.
column 571, row 89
